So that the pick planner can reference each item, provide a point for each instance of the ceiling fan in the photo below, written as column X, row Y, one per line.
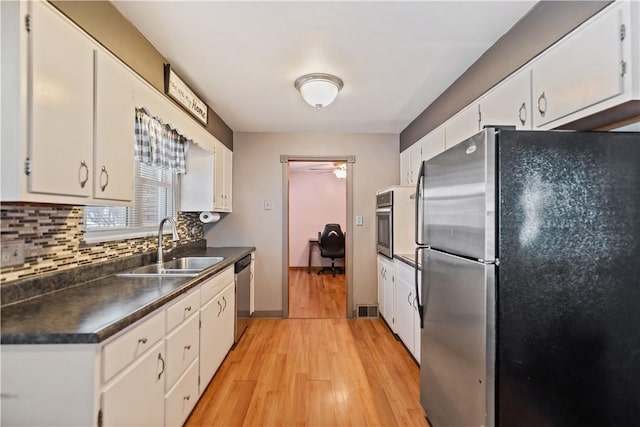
column 338, row 168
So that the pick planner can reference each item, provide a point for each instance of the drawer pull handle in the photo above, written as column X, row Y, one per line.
column 542, row 104
column 105, row 173
column 187, row 308
column 522, row 114
column 85, row 168
column 142, row 341
column 162, row 360
column 187, row 347
column 187, row 397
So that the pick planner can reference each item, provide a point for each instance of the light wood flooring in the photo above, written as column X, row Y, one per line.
column 313, row 296
column 313, row 372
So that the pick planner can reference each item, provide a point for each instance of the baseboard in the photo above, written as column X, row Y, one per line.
column 267, row 314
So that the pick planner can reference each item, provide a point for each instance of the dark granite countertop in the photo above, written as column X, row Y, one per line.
column 93, row 311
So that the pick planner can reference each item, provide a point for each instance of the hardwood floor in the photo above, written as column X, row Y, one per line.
column 313, row 372
column 313, row 296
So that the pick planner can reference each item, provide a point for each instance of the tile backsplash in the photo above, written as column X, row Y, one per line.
column 52, row 236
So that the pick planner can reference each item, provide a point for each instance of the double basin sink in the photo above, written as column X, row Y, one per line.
column 179, row 267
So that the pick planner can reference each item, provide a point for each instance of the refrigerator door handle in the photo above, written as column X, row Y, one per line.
column 417, row 298
column 418, row 199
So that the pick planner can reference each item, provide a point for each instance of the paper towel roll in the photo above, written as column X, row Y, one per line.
column 207, row 217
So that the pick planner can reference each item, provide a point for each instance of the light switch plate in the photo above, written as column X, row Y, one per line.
column 267, row 205
column 359, row 220
column 12, row 253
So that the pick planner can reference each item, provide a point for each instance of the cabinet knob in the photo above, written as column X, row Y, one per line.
column 187, row 347
column 542, row 104
column 83, row 169
column 522, row 114
column 104, row 172
column 187, row 308
column 187, row 397
column 142, row 340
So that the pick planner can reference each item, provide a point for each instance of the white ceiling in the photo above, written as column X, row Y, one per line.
column 394, row 57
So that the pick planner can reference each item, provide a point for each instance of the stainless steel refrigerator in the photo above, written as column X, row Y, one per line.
column 530, row 293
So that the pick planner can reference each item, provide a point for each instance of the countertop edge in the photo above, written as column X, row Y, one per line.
column 104, row 333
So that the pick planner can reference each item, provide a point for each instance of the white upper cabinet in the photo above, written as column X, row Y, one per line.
column 433, row 143
column 223, row 171
column 463, row 125
column 509, row 103
column 410, row 160
column 115, row 130
column 61, row 109
column 207, row 184
column 585, row 68
column 405, row 166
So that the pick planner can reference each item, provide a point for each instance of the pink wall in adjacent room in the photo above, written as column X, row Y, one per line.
column 314, row 200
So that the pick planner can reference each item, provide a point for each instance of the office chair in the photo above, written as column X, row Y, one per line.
column 331, row 244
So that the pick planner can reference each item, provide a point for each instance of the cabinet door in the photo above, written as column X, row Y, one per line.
column 197, row 185
column 381, row 302
column 183, row 347
column 388, row 282
column 61, row 108
column 403, row 310
column 583, row 69
column 228, row 180
column 136, row 396
column 463, row 125
column 433, row 143
column 216, row 333
column 509, row 103
column 115, row 130
column 219, row 178
column 415, row 153
column 405, row 166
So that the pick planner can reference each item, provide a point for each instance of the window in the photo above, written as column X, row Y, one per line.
column 155, row 197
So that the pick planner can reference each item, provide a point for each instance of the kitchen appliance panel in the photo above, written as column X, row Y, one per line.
column 459, row 306
column 569, row 311
column 459, row 198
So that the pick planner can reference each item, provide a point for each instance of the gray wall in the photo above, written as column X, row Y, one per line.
column 546, row 23
column 257, row 176
column 107, row 25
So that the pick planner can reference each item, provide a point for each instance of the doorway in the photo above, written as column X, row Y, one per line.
column 316, row 194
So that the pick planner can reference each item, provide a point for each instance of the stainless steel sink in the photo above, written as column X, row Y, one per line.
column 180, row 267
column 192, row 263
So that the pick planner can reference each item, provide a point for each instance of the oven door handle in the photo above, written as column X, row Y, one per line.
column 383, row 210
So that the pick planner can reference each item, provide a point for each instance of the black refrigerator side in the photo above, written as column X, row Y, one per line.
column 568, row 317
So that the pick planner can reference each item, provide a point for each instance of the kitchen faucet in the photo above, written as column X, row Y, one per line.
column 175, row 237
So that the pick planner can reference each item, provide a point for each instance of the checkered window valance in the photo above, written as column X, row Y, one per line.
column 157, row 144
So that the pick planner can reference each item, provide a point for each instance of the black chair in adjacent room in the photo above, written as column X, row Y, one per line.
column 331, row 244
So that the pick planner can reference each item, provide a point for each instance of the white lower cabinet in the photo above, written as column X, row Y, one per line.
column 150, row 374
column 136, row 396
column 182, row 397
column 183, row 347
column 385, row 289
column 406, row 308
column 217, row 335
column 403, row 307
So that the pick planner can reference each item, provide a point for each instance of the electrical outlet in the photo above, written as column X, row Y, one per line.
column 12, row 253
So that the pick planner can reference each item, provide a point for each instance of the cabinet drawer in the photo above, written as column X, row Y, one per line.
column 183, row 346
column 127, row 347
column 183, row 309
column 182, row 398
column 217, row 283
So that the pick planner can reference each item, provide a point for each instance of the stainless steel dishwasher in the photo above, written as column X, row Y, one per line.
column 243, row 294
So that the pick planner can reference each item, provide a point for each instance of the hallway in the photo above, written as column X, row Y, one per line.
column 313, row 296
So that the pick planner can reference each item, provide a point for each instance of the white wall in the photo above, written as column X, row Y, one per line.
column 315, row 199
column 257, row 176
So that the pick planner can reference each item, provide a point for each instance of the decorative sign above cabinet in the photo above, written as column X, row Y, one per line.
column 178, row 90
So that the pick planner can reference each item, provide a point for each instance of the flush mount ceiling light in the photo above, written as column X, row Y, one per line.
column 318, row 89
